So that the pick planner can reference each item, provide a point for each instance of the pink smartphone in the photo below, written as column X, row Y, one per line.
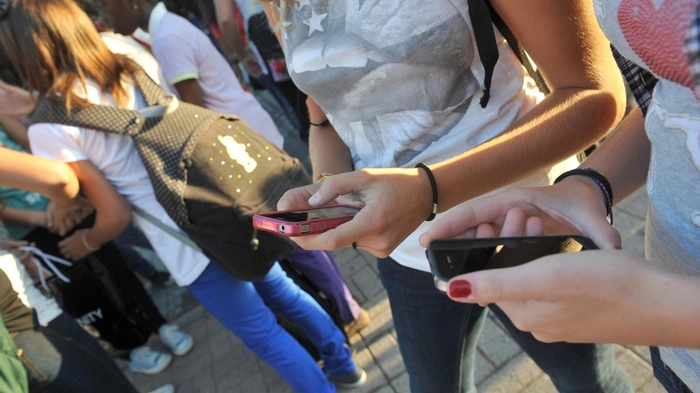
column 304, row 222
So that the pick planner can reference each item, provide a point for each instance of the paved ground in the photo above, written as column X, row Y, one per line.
column 220, row 363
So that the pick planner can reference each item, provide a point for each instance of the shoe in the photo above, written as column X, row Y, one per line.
column 355, row 379
column 144, row 360
column 162, row 278
column 178, row 341
column 169, row 388
column 358, row 324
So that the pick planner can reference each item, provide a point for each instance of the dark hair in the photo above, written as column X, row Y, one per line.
column 53, row 45
column 8, row 74
column 4, row 8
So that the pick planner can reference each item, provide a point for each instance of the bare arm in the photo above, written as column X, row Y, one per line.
column 587, row 100
column 15, row 101
column 53, row 179
column 113, row 211
column 16, row 130
column 26, row 217
column 594, row 296
column 190, row 91
column 226, row 20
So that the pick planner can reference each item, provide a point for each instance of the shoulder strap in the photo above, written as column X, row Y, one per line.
column 152, row 92
column 97, row 117
column 169, row 230
column 109, row 118
column 485, row 43
column 483, row 17
column 518, row 50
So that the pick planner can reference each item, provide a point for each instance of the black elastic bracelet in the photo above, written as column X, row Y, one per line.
column 321, row 124
column 599, row 180
column 433, row 185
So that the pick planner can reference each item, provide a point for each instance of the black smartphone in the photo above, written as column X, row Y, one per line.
column 451, row 257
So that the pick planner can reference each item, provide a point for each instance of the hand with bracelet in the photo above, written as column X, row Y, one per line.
column 389, row 197
column 574, row 205
column 78, row 245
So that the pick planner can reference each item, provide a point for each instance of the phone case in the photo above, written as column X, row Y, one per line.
column 451, row 257
column 265, row 222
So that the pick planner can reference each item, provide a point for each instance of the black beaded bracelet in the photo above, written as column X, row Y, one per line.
column 433, row 185
column 599, row 180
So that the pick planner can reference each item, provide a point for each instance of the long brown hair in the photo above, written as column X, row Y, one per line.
column 53, row 45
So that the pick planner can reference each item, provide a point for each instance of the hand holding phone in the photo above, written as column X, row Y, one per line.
column 451, row 257
column 304, row 222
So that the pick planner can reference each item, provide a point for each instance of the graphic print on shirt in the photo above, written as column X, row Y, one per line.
column 655, row 31
column 689, row 126
column 364, row 47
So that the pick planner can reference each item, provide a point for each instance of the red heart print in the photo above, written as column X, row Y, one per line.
column 657, row 35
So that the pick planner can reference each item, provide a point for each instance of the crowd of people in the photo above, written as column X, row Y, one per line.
column 420, row 112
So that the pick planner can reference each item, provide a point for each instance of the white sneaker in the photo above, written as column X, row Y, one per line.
column 144, row 360
column 178, row 341
column 169, row 388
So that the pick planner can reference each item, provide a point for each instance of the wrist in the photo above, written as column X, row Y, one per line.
column 433, row 189
column 89, row 243
column 599, row 180
column 582, row 188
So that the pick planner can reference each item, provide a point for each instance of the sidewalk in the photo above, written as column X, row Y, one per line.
column 220, row 363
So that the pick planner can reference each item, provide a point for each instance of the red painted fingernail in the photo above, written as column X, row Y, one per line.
column 460, row 289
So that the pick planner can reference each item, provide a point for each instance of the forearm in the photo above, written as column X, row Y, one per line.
column 16, row 130
column 113, row 211
column 327, row 151
column 21, row 216
column 226, row 20
column 624, row 157
column 53, row 179
column 565, row 123
column 674, row 315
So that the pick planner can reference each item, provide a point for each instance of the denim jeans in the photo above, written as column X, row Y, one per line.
column 241, row 307
column 666, row 377
column 63, row 357
column 438, row 337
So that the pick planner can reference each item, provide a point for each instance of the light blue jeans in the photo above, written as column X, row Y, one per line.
column 242, row 307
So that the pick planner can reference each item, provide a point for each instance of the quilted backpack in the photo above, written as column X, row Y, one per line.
column 210, row 172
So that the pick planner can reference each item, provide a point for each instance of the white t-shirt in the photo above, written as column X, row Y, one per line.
column 46, row 309
column 115, row 156
column 184, row 52
column 130, row 48
column 401, row 84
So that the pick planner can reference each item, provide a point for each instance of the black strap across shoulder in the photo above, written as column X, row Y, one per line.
column 483, row 17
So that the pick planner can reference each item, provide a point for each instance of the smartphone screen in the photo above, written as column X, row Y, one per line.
column 314, row 214
column 451, row 257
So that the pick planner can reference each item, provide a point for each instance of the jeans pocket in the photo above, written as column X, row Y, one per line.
column 37, row 379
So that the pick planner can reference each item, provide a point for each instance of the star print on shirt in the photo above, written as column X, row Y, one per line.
column 314, row 22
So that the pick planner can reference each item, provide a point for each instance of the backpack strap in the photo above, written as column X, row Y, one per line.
column 152, row 92
column 483, row 17
column 485, row 38
column 165, row 228
column 109, row 118
column 518, row 50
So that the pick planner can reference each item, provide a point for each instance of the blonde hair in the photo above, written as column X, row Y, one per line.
column 53, row 44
